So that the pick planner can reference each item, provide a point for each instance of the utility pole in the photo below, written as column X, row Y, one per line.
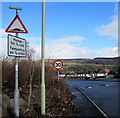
column 43, row 60
column 16, row 91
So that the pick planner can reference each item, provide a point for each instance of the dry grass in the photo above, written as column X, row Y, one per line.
column 25, row 67
column 54, row 106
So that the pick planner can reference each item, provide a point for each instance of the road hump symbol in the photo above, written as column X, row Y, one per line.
column 16, row 26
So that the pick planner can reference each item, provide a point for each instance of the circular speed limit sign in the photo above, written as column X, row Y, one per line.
column 58, row 65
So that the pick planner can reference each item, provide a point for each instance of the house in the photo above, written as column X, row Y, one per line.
column 104, row 73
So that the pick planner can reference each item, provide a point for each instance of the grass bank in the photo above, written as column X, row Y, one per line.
column 30, row 90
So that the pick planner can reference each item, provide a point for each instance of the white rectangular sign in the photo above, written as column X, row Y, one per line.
column 16, row 46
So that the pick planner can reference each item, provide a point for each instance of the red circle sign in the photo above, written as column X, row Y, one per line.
column 58, row 65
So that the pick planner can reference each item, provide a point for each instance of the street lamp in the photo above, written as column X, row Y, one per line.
column 43, row 60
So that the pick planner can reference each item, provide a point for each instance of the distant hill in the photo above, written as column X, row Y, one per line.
column 93, row 64
column 98, row 60
column 107, row 58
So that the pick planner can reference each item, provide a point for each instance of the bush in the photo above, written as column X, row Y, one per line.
column 26, row 67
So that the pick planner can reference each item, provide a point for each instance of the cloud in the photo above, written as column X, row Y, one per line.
column 73, row 39
column 64, row 47
column 61, row 50
column 110, row 29
column 105, row 52
column 32, row 39
column 3, row 47
column 55, row 48
column 37, row 51
column 3, row 43
column 76, row 52
column 67, row 50
column 2, row 32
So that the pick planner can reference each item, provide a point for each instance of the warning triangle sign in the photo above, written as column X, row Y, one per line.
column 16, row 26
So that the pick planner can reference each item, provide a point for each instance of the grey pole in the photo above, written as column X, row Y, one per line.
column 58, row 86
column 58, row 76
column 43, row 61
column 16, row 92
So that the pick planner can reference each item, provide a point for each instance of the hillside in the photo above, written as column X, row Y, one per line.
column 106, row 61
column 92, row 65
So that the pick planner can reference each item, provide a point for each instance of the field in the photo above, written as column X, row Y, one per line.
column 67, row 65
column 91, row 65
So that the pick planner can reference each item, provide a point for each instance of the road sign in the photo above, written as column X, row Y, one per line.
column 58, row 65
column 16, row 46
column 16, row 26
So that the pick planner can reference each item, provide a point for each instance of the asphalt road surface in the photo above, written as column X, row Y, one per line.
column 105, row 94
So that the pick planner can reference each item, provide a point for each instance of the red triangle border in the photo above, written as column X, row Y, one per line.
column 16, row 17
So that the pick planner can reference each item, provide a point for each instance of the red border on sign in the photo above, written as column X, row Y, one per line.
column 16, row 17
column 55, row 67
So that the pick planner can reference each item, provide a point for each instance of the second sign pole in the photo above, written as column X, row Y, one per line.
column 58, row 85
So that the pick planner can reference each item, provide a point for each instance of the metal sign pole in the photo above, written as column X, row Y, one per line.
column 14, row 30
column 58, row 65
column 16, row 92
column 58, row 86
column 58, row 75
column 43, row 61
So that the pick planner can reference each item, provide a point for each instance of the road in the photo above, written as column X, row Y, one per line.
column 104, row 93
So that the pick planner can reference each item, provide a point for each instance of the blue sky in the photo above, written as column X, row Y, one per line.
column 73, row 29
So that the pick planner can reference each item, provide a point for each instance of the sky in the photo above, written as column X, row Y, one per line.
column 72, row 29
